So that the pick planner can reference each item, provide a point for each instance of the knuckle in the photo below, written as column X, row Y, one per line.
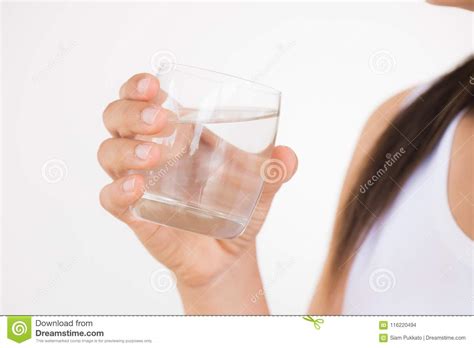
column 103, row 198
column 124, row 150
column 110, row 108
column 130, row 112
column 103, row 148
column 109, row 114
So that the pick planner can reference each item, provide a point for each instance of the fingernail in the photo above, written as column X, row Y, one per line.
column 149, row 115
column 142, row 85
column 129, row 185
column 142, row 151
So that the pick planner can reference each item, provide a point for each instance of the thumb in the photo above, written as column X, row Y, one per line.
column 275, row 172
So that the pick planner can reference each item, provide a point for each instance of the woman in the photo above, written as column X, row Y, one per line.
column 402, row 241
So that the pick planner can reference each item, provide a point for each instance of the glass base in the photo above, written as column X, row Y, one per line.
column 172, row 213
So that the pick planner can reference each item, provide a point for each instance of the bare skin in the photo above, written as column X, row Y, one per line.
column 214, row 276
column 461, row 175
column 465, row 4
column 222, row 277
column 374, row 127
column 460, row 184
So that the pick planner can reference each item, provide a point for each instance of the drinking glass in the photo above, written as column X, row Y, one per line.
column 213, row 161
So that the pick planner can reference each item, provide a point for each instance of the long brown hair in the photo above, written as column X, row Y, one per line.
column 412, row 136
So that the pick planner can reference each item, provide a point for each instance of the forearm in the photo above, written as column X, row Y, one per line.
column 239, row 290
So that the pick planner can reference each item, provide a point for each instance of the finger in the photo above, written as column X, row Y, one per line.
column 162, row 242
column 144, row 87
column 279, row 169
column 118, row 196
column 140, row 87
column 126, row 118
column 118, row 155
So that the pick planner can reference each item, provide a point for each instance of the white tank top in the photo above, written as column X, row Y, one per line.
column 416, row 259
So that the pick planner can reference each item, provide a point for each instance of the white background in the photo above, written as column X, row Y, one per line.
column 63, row 63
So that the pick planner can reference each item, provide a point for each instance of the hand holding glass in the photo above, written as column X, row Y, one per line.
column 212, row 173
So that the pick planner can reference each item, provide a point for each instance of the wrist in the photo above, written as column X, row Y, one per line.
column 237, row 290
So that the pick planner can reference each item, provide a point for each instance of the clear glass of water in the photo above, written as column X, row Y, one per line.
column 212, row 170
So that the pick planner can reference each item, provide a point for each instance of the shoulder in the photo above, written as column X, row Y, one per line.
column 461, row 173
column 380, row 119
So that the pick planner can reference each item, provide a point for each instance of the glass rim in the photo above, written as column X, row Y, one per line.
column 263, row 87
